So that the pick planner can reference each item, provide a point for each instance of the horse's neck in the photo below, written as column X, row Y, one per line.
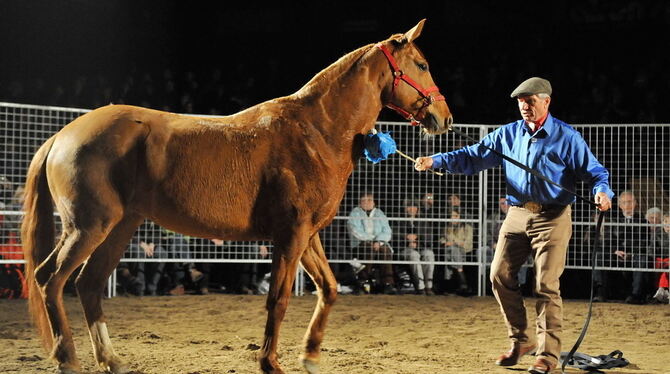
column 347, row 96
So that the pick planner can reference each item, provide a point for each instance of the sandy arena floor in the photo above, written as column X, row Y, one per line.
column 366, row 334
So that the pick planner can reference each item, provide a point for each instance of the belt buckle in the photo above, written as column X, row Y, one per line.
column 533, row 207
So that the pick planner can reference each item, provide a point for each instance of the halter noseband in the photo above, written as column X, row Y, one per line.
column 398, row 75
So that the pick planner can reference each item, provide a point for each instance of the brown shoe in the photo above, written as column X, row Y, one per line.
column 196, row 275
column 512, row 357
column 177, row 291
column 542, row 366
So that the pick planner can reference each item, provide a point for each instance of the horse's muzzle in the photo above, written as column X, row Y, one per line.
column 433, row 125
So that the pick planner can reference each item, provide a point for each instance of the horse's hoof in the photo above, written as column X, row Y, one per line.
column 270, row 367
column 66, row 370
column 311, row 366
column 116, row 367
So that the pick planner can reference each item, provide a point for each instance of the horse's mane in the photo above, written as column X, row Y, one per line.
column 333, row 71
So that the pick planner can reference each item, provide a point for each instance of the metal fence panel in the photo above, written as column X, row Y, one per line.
column 637, row 156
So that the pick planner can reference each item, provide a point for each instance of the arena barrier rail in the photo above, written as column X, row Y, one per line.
column 637, row 156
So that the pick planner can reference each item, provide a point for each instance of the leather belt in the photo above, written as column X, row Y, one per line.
column 535, row 207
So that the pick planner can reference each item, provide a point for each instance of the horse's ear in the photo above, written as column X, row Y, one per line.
column 415, row 31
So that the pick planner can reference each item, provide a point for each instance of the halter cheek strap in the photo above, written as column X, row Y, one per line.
column 398, row 76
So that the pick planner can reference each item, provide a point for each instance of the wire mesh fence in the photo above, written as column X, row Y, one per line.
column 449, row 207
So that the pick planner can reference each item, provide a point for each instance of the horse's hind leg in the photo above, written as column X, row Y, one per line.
column 90, row 286
column 315, row 263
column 75, row 245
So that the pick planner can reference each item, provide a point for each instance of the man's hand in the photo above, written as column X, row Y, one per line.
column 621, row 254
column 423, row 163
column 263, row 251
column 148, row 248
column 604, row 201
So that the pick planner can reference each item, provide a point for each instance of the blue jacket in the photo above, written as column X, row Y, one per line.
column 380, row 229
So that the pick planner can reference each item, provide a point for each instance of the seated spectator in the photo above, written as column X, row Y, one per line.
column 654, row 217
column 12, row 277
column 246, row 274
column 128, row 282
column 662, row 293
column 144, row 278
column 454, row 202
column 370, row 234
column 457, row 241
column 414, row 247
column 177, row 247
column 627, row 245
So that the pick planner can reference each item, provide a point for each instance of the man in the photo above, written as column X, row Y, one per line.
column 412, row 241
column 370, row 234
column 539, row 217
column 629, row 246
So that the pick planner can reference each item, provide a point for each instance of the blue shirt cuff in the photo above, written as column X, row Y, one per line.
column 604, row 189
column 437, row 161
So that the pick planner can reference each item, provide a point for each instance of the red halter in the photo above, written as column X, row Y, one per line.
column 398, row 75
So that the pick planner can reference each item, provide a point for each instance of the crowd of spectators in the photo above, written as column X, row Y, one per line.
column 595, row 94
column 603, row 65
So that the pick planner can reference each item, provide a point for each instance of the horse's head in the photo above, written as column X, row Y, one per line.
column 411, row 90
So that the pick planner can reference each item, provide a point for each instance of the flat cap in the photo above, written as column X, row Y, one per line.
column 532, row 86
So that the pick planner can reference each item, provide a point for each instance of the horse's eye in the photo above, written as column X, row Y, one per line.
column 422, row 66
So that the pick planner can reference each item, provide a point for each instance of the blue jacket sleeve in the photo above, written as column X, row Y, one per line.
column 588, row 168
column 471, row 159
column 386, row 233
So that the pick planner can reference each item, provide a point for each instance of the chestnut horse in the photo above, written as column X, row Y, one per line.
column 276, row 171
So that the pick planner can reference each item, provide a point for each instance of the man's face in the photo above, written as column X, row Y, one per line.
column 454, row 200
column 666, row 224
column 627, row 204
column 412, row 210
column 532, row 108
column 654, row 218
column 367, row 202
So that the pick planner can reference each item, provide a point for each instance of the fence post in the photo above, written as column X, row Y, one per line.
column 483, row 229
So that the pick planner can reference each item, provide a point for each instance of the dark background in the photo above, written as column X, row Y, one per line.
column 606, row 59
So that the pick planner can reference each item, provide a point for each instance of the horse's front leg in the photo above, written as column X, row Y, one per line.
column 285, row 259
column 316, row 264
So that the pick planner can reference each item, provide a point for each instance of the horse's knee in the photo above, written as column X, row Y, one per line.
column 329, row 293
column 42, row 276
column 51, row 287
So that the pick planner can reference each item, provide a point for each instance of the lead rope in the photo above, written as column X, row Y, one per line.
column 594, row 253
column 594, row 256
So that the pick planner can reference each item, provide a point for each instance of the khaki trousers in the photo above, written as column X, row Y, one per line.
column 547, row 235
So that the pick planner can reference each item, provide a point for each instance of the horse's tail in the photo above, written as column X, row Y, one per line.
column 37, row 235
